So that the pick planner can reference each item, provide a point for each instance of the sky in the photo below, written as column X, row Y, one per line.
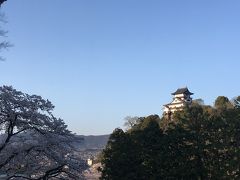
column 99, row 61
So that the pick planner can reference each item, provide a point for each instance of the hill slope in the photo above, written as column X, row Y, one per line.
column 93, row 142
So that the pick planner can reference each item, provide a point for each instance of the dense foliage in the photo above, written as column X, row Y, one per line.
column 202, row 142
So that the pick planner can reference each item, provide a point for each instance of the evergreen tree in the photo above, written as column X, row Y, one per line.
column 201, row 142
column 148, row 138
column 222, row 102
column 118, row 157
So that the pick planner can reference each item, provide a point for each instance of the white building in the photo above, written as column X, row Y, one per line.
column 90, row 161
column 181, row 98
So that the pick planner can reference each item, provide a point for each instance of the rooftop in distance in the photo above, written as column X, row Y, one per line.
column 182, row 91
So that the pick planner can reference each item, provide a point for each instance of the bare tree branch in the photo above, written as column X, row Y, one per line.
column 2, row 1
column 34, row 143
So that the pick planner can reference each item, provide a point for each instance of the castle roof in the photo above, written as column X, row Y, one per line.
column 182, row 91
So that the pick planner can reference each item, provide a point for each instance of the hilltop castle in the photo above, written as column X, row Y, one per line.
column 181, row 98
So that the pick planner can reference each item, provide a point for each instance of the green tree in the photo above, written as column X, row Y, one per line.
column 222, row 102
column 118, row 157
column 202, row 142
column 186, row 142
column 212, row 136
column 148, row 138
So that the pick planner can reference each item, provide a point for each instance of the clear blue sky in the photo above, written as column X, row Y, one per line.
column 99, row 61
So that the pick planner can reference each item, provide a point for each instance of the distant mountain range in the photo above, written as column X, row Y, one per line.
column 89, row 142
column 93, row 142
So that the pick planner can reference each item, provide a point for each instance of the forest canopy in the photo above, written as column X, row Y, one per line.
column 201, row 142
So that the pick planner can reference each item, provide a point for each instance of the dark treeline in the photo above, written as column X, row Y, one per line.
column 202, row 142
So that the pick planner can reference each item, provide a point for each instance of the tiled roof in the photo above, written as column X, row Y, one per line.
column 182, row 91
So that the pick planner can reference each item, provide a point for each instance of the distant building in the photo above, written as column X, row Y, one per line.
column 181, row 98
column 90, row 161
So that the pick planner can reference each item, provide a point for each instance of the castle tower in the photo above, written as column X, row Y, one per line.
column 181, row 98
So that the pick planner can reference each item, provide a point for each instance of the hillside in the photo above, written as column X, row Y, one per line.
column 93, row 142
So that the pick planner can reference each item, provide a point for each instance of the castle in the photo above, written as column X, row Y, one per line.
column 181, row 98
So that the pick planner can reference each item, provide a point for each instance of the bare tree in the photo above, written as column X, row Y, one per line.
column 3, row 43
column 33, row 143
column 130, row 121
column 2, row 1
